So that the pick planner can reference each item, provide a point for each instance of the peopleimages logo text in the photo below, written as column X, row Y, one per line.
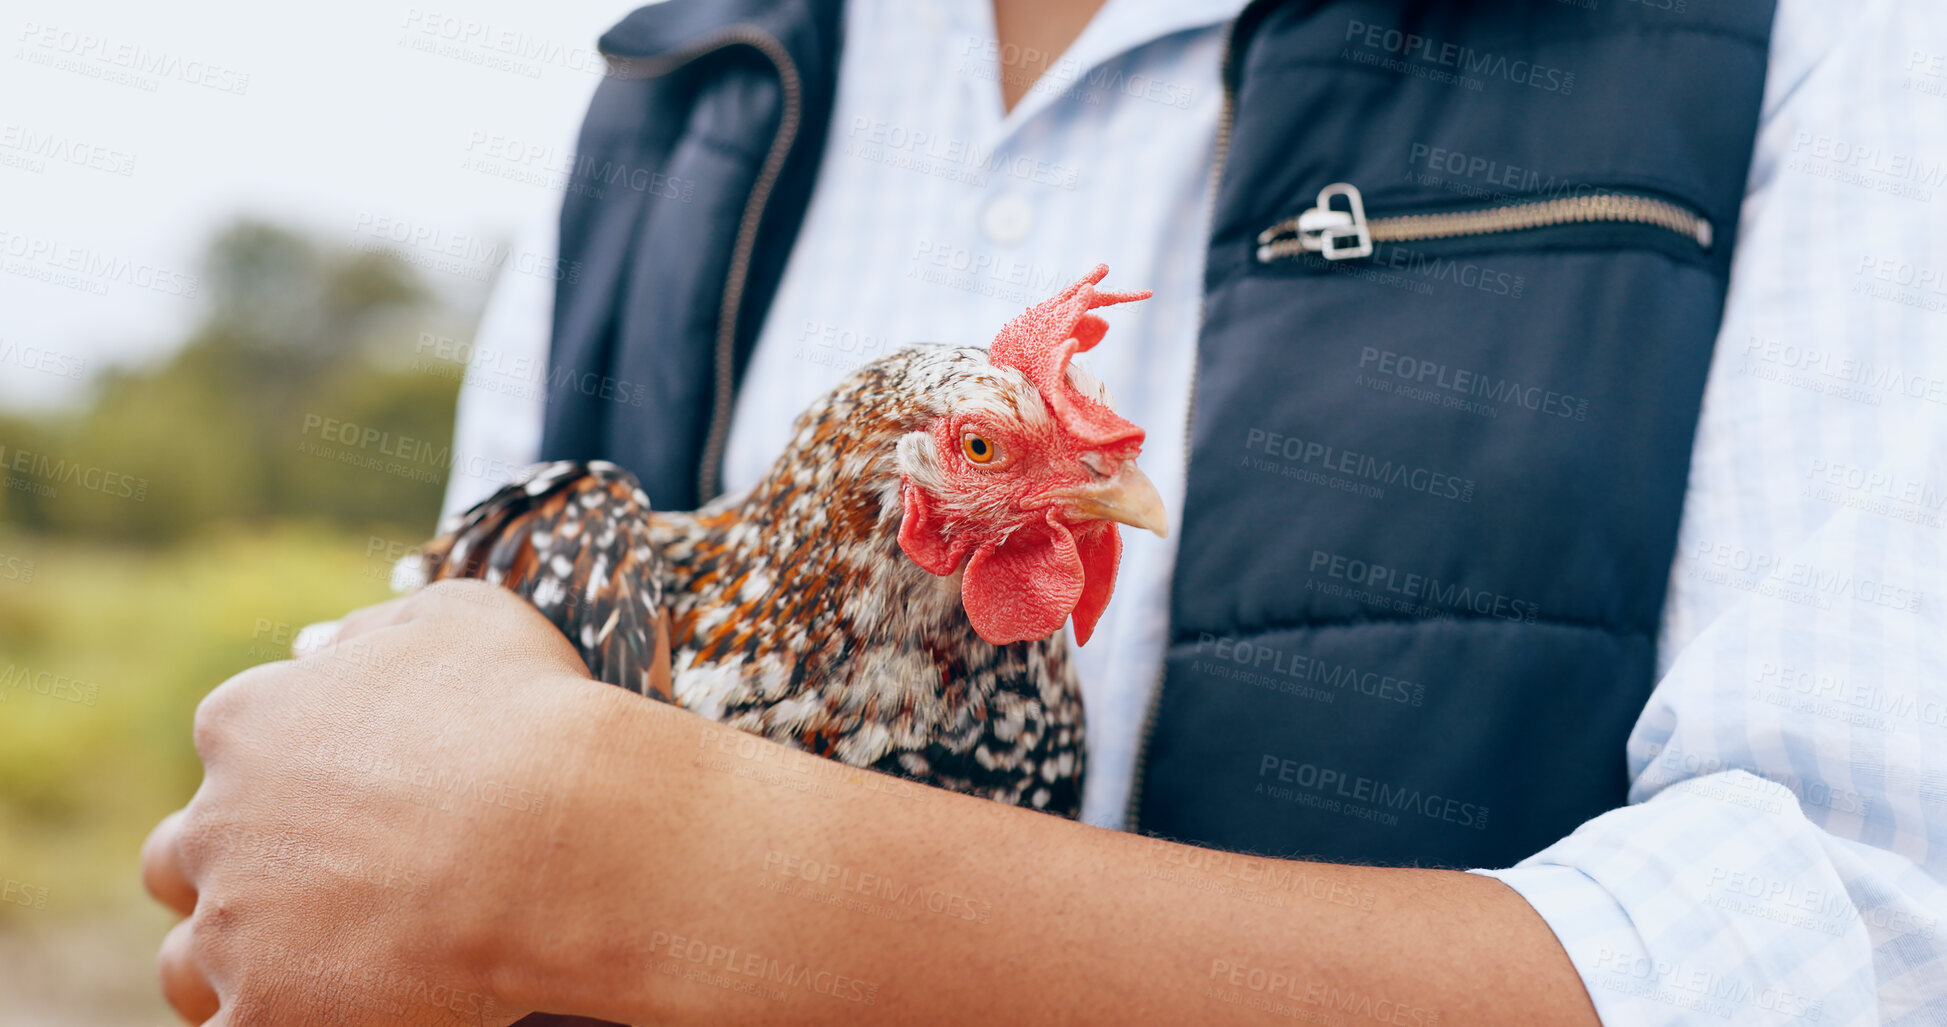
column 1424, row 588
column 1435, row 374
column 1379, row 793
column 1462, row 58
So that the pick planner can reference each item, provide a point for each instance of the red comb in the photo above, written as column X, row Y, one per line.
column 1040, row 343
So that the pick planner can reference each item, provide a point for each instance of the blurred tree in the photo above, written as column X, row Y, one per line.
column 296, row 336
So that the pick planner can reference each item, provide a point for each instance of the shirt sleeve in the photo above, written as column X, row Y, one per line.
column 1783, row 856
column 497, row 426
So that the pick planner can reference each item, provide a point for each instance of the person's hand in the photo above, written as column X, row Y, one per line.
column 375, row 820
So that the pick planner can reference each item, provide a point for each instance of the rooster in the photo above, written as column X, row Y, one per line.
column 891, row 595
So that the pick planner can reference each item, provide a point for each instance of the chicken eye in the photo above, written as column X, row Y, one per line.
column 977, row 449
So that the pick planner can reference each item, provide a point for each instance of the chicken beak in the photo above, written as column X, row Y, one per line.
column 1127, row 497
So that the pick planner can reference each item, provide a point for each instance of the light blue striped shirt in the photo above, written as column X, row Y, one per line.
column 1783, row 853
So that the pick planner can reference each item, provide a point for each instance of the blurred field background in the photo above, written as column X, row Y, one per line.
column 223, row 224
column 172, row 529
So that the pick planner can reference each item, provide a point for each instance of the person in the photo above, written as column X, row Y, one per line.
column 1597, row 548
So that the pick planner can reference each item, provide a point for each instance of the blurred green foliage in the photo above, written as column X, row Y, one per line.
column 184, row 521
column 295, row 335
column 87, row 766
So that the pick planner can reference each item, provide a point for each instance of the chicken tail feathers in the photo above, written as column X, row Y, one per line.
column 572, row 539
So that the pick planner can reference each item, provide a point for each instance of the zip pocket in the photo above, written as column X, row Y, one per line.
column 1336, row 233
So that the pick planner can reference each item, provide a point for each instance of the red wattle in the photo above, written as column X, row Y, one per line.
column 1026, row 588
column 1100, row 547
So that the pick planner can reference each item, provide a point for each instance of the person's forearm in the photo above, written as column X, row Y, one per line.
column 804, row 891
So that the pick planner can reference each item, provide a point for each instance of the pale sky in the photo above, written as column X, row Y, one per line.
column 131, row 131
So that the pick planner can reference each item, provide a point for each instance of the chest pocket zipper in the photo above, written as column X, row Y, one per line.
column 1338, row 232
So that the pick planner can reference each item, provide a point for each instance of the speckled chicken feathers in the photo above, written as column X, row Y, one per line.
column 573, row 540
column 793, row 612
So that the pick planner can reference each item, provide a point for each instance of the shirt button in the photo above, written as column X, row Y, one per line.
column 1007, row 219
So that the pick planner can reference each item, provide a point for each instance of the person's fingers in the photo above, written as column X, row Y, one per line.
column 442, row 597
column 317, row 638
column 183, row 981
column 162, row 871
column 313, row 637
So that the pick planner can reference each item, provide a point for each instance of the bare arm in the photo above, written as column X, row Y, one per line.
column 938, row 908
column 566, row 846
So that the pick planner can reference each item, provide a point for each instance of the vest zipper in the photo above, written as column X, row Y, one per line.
column 1346, row 234
column 1220, row 153
column 710, row 472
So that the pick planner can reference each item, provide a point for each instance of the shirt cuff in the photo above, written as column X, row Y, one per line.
column 1593, row 929
column 1713, row 902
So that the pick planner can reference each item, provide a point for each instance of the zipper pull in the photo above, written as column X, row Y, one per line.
column 1335, row 234
column 1338, row 234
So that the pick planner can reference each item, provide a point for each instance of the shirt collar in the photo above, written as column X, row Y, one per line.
column 1119, row 27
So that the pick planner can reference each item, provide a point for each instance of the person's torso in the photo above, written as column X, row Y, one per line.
column 1431, row 491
